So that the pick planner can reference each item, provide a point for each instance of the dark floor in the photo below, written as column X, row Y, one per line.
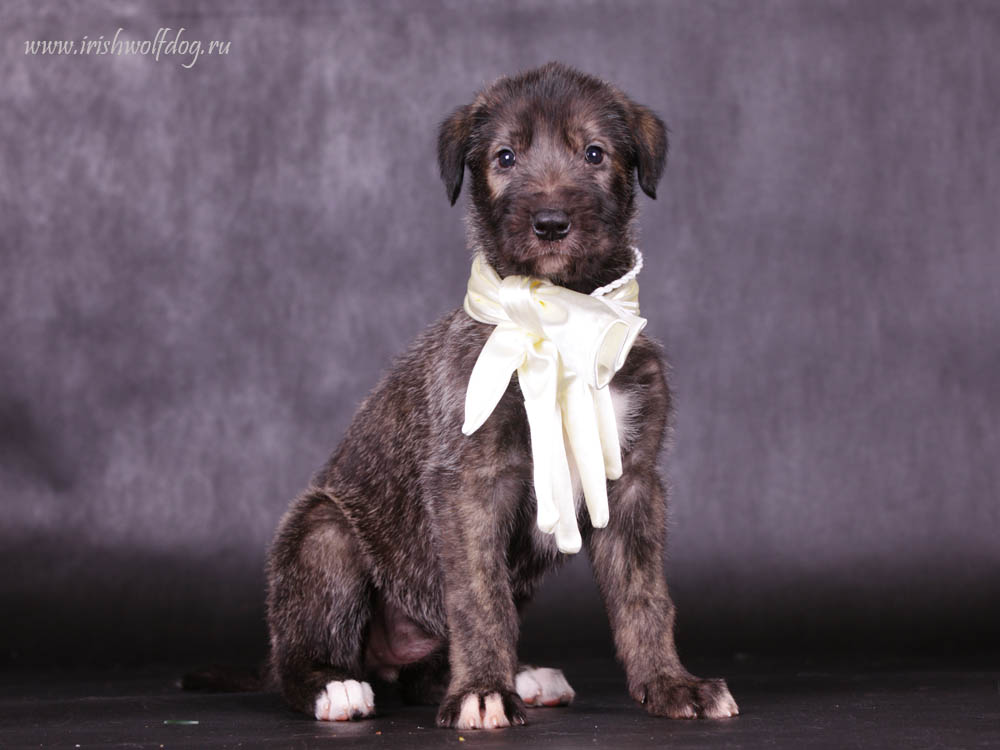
column 783, row 706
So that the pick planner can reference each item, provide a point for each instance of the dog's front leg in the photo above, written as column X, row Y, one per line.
column 473, row 529
column 627, row 558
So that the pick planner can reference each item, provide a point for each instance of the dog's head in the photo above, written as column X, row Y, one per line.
column 553, row 155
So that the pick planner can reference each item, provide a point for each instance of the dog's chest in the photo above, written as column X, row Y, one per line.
column 622, row 402
column 625, row 420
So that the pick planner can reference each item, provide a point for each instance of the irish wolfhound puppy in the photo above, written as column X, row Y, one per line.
column 417, row 544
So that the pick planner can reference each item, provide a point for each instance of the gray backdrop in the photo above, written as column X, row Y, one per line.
column 205, row 269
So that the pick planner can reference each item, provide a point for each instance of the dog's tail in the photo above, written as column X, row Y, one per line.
column 218, row 678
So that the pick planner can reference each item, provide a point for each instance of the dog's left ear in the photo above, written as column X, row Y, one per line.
column 650, row 135
column 453, row 144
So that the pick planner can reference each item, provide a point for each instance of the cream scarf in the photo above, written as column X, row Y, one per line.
column 565, row 347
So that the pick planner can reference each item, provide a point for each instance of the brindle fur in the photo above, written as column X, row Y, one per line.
column 415, row 548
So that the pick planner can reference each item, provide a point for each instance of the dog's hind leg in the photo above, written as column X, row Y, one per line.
column 319, row 606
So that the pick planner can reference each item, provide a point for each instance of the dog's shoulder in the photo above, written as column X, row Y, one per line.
column 645, row 367
column 641, row 393
column 425, row 386
column 448, row 348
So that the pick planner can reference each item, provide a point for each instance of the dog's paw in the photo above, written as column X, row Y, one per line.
column 481, row 709
column 688, row 698
column 542, row 686
column 343, row 701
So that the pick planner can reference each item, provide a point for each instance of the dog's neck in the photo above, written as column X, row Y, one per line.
column 582, row 276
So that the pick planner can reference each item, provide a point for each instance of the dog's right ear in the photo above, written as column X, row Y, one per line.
column 453, row 145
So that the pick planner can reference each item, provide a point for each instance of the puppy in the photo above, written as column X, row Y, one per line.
column 416, row 546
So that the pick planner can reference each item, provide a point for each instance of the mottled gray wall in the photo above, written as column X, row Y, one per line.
column 205, row 269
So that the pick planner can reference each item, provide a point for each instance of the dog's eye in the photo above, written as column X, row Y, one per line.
column 595, row 154
column 505, row 158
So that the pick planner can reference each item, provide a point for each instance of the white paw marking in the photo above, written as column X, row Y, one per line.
column 494, row 716
column 468, row 716
column 471, row 717
column 543, row 686
column 342, row 701
column 724, row 707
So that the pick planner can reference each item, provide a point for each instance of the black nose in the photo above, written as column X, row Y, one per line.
column 550, row 225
